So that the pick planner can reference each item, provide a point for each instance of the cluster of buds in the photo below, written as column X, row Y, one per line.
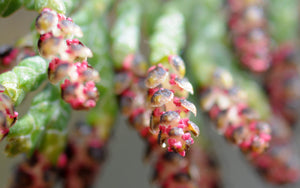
column 85, row 152
column 34, row 172
column 69, row 59
column 167, row 93
column 195, row 170
column 248, row 26
column 8, row 115
column 129, row 85
column 11, row 56
column 77, row 166
column 227, row 107
column 283, row 82
column 279, row 164
column 171, row 169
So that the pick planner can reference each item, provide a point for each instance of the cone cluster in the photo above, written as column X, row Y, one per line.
column 77, row 166
column 68, row 59
column 170, row 168
column 283, row 82
column 279, row 164
column 34, row 172
column 227, row 107
column 248, row 26
column 167, row 93
column 85, row 152
column 197, row 169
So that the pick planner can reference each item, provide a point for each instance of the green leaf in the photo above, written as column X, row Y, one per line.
column 29, row 4
column 25, row 77
column 53, row 144
column 21, row 130
column 57, row 5
column 283, row 20
column 10, row 81
column 7, row 7
column 43, row 127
